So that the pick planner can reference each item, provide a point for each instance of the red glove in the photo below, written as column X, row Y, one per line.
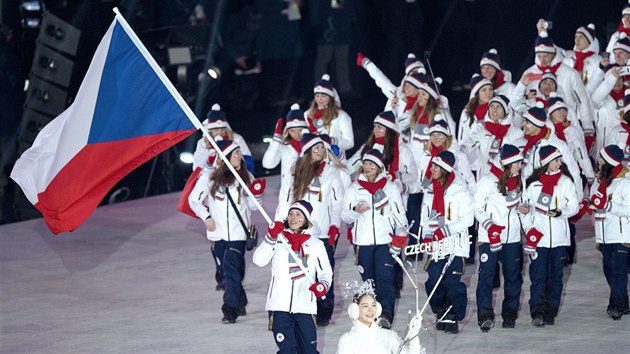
column 439, row 233
column 257, row 187
column 583, row 209
column 349, row 235
column 494, row 235
column 533, row 237
column 598, row 200
column 360, row 58
column 398, row 242
column 589, row 140
column 277, row 132
column 319, row 289
column 333, row 231
column 275, row 230
column 211, row 157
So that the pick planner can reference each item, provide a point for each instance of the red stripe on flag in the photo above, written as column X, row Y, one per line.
column 79, row 187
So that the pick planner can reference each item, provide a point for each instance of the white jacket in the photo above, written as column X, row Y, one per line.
column 591, row 73
column 340, row 130
column 490, row 204
column 202, row 153
column 279, row 153
column 573, row 92
column 532, row 159
column 228, row 227
column 520, row 104
column 507, row 86
column 607, row 113
column 575, row 142
column 615, row 228
column 288, row 295
column 459, row 209
column 480, row 142
column 326, row 200
column 555, row 230
column 374, row 226
column 362, row 339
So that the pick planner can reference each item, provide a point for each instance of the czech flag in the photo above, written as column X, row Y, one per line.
column 125, row 113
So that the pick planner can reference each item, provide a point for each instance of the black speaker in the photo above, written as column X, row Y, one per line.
column 52, row 66
column 45, row 97
column 58, row 34
column 32, row 124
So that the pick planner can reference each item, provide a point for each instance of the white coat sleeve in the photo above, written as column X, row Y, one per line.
column 198, row 195
column 466, row 215
column 273, row 155
column 200, row 156
column 264, row 252
column 619, row 203
column 347, row 214
column 346, row 140
column 577, row 144
column 336, row 201
column 285, row 198
column 583, row 101
column 238, row 139
column 381, row 81
column 484, row 189
column 527, row 220
column 569, row 203
column 598, row 97
column 324, row 270
column 407, row 165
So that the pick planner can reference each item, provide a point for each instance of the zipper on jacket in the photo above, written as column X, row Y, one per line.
column 550, row 233
column 227, row 215
column 507, row 240
column 273, row 280
column 291, row 300
column 373, row 228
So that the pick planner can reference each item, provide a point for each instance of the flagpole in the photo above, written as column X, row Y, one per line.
column 195, row 121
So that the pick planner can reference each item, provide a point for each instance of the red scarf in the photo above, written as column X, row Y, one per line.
column 438, row 194
column 552, row 68
column 372, row 187
column 499, row 78
column 481, row 110
column 560, row 127
column 616, row 95
column 622, row 29
column 549, row 182
column 626, row 127
column 296, row 240
column 533, row 139
column 512, row 182
column 319, row 113
column 423, row 117
column 411, row 100
column 498, row 130
column 435, row 150
column 579, row 60
column 320, row 169
column 393, row 166
column 296, row 145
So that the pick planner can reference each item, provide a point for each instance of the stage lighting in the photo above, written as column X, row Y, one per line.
column 186, row 157
column 214, row 72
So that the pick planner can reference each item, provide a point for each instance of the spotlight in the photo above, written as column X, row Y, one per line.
column 186, row 157
column 214, row 72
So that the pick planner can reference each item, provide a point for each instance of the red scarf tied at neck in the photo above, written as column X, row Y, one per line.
column 372, row 187
column 551, row 68
column 411, row 100
column 296, row 240
column 434, row 150
column 549, row 183
column 438, row 194
column 533, row 139
column 499, row 79
column 622, row 29
column 579, row 60
column 512, row 182
column 481, row 110
column 498, row 130
column 296, row 145
column 560, row 127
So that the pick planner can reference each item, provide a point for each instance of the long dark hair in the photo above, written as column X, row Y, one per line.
column 470, row 108
column 391, row 138
column 222, row 176
column 431, row 109
column 605, row 172
column 502, row 184
column 542, row 169
column 304, row 171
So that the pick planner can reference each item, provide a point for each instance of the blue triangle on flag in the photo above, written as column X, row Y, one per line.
column 132, row 100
